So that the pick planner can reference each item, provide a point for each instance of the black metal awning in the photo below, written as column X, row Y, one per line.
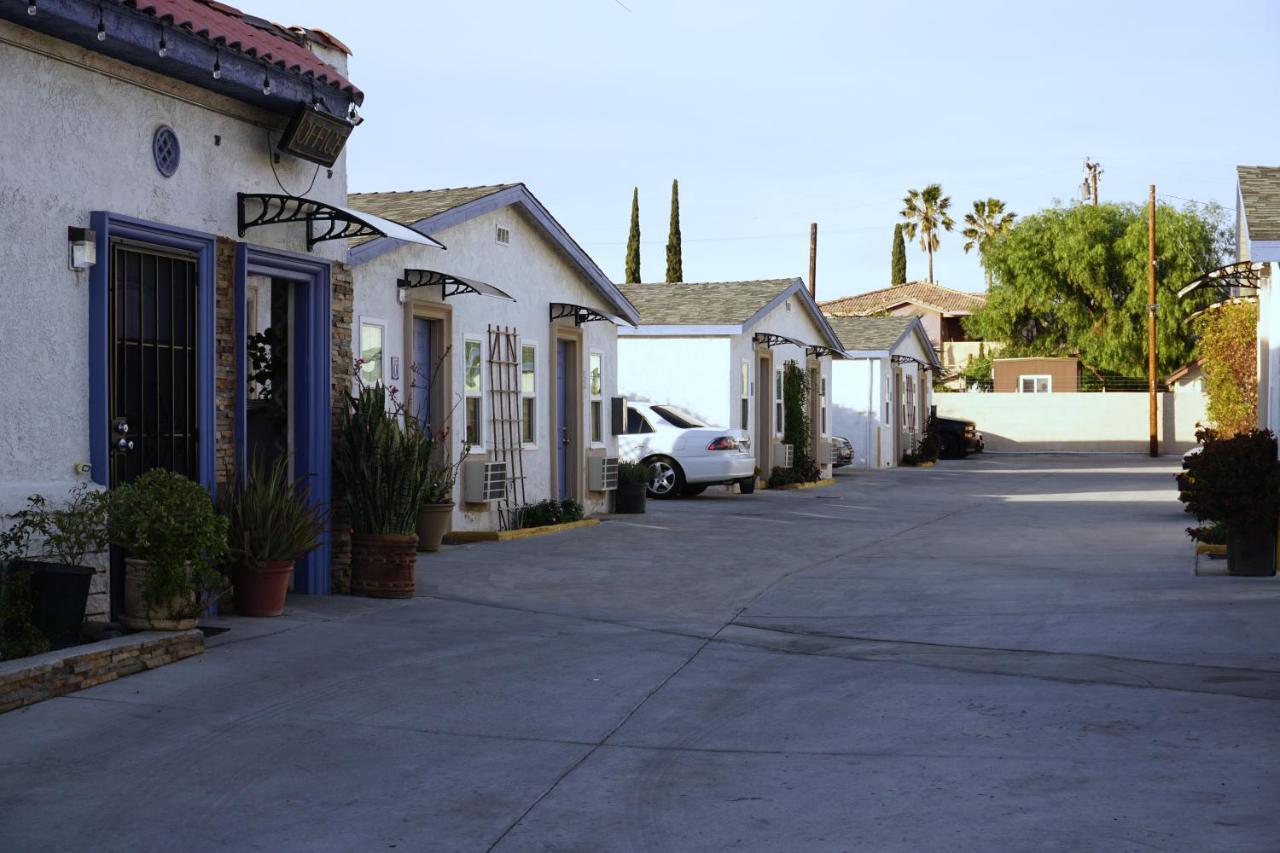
column 820, row 351
column 909, row 359
column 324, row 221
column 769, row 339
column 450, row 285
column 1241, row 274
column 582, row 314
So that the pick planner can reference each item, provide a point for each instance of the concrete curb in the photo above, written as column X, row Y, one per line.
column 25, row 681
column 796, row 487
column 463, row 537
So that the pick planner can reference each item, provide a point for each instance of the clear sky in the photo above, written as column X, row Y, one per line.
column 776, row 114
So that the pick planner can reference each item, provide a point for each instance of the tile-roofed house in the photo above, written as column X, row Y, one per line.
column 935, row 297
column 718, row 349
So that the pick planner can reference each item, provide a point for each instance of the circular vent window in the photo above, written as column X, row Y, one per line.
column 166, row 151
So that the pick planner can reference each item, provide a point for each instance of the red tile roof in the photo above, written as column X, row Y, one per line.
column 252, row 36
column 944, row 300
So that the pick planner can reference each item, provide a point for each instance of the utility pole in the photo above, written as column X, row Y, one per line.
column 813, row 260
column 1089, row 187
column 1151, row 322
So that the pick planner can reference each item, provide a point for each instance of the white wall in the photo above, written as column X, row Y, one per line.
column 75, row 141
column 858, row 399
column 1085, row 422
column 686, row 372
column 532, row 270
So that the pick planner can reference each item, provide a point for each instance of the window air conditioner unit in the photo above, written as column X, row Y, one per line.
column 484, row 481
column 602, row 473
column 824, row 451
column 783, row 455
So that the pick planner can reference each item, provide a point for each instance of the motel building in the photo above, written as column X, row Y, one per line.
column 174, row 208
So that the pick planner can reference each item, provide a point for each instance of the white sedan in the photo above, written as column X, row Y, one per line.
column 684, row 454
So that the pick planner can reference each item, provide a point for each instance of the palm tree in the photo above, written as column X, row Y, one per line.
column 987, row 222
column 926, row 214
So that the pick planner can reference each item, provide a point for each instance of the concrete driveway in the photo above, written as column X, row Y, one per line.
column 994, row 654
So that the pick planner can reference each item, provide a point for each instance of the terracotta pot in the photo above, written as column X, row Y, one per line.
column 261, row 591
column 434, row 521
column 160, row 617
column 382, row 565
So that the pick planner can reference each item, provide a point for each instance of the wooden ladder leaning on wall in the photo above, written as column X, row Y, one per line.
column 504, row 418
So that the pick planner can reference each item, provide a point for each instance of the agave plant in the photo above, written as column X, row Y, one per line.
column 381, row 466
column 270, row 518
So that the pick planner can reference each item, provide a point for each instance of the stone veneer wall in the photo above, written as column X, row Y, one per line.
column 342, row 308
column 25, row 681
column 226, row 369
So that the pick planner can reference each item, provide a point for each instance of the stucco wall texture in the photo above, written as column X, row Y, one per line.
column 83, row 143
column 1114, row 422
column 531, row 269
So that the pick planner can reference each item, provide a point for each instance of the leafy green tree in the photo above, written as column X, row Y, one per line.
column 1229, row 346
column 898, row 263
column 1074, row 281
column 633, row 240
column 926, row 213
column 675, row 266
column 985, row 223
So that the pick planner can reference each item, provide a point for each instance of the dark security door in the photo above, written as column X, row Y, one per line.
column 562, row 441
column 153, row 396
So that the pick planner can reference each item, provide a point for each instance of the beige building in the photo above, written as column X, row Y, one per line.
column 1036, row 375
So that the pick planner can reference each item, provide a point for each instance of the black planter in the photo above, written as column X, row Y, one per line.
column 59, row 594
column 629, row 498
column 1251, row 551
column 747, row 485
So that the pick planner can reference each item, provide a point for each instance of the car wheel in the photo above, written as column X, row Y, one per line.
column 693, row 491
column 666, row 480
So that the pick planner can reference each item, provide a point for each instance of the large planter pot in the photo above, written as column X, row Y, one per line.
column 1251, row 551
column 262, row 591
column 434, row 521
column 382, row 565
column 59, row 594
column 160, row 617
column 747, row 485
column 629, row 497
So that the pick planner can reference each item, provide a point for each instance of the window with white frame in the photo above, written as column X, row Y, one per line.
column 373, row 336
column 596, row 380
column 822, row 399
column 745, row 411
column 777, row 401
column 473, row 390
column 528, row 393
column 1035, row 383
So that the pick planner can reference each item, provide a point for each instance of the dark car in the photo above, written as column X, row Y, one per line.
column 959, row 438
column 841, row 451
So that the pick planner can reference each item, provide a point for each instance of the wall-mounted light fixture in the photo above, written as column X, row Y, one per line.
column 82, row 248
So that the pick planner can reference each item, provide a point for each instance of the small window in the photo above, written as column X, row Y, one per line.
column 528, row 393
column 744, row 415
column 1035, row 384
column 372, row 336
column 504, row 236
column 473, row 387
column 636, row 423
column 597, row 404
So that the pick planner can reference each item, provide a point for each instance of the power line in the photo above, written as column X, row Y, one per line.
column 788, row 236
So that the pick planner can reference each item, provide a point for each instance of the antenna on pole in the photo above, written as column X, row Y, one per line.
column 1089, row 187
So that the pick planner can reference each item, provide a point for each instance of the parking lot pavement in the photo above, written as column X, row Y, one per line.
column 1000, row 653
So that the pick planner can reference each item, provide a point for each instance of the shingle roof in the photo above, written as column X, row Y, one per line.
column 709, row 303
column 935, row 296
column 414, row 205
column 1260, row 192
column 869, row 333
column 252, row 36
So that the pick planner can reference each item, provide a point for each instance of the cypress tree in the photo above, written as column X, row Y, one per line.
column 675, row 267
column 898, row 275
column 633, row 240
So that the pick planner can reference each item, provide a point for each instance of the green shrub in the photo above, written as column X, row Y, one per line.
column 797, row 428
column 67, row 533
column 633, row 472
column 170, row 521
column 548, row 512
column 19, row 636
column 270, row 518
column 1235, row 481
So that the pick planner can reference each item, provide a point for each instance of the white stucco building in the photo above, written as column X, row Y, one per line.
column 1258, row 253
column 882, row 391
column 506, row 339
column 718, row 350
column 149, row 136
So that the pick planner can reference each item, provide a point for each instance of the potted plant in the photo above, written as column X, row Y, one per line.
column 382, row 468
column 271, row 523
column 1237, row 481
column 49, row 545
column 747, row 485
column 633, row 482
column 174, row 537
column 435, row 516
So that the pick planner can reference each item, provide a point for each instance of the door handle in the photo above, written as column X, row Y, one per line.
column 123, row 443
